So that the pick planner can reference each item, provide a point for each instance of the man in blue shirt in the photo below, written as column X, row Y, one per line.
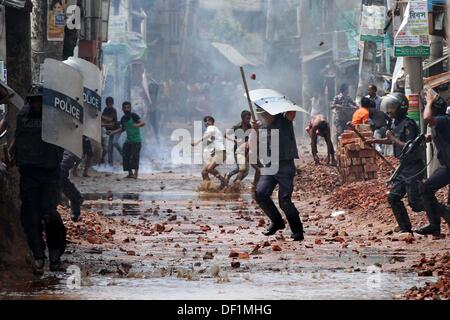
column 436, row 117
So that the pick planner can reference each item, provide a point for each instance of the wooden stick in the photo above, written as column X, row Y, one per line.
column 351, row 126
column 250, row 103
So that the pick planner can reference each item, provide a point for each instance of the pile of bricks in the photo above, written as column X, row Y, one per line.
column 357, row 160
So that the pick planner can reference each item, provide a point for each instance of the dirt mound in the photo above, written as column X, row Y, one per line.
column 438, row 265
column 365, row 197
column 316, row 180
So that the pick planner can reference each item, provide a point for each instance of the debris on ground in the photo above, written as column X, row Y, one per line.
column 438, row 265
column 316, row 180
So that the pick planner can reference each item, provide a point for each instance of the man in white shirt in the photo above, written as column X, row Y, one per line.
column 372, row 95
column 215, row 152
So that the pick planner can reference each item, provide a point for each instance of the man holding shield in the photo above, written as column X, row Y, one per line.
column 284, row 177
column 38, row 164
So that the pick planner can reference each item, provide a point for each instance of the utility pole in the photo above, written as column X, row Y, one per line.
column 188, row 26
column 13, row 247
column 270, row 30
column 41, row 48
column 414, row 72
column 437, row 51
column 368, row 57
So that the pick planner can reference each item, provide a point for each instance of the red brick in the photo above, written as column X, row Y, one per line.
column 367, row 153
column 370, row 168
column 352, row 147
column 356, row 169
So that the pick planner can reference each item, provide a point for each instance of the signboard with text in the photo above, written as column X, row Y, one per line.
column 412, row 38
column 372, row 23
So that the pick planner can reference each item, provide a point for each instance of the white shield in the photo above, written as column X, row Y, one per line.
column 93, row 80
column 273, row 102
column 62, row 113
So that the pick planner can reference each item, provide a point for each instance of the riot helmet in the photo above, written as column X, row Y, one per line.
column 36, row 91
column 35, row 97
column 396, row 105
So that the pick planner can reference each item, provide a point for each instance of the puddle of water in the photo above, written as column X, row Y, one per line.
column 303, row 286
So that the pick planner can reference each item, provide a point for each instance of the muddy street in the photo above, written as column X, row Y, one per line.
column 158, row 238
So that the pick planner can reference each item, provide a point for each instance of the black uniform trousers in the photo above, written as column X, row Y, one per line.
column 39, row 195
column 407, row 183
column 285, row 180
column 435, row 210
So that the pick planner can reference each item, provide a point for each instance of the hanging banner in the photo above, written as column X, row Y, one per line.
column 412, row 38
column 372, row 23
column 56, row 20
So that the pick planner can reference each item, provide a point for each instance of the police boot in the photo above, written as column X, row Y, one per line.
column 300, row 236
column 55, row 261
column 434, row 228
column 273, row 228
column 400, row 214
column 38, row 267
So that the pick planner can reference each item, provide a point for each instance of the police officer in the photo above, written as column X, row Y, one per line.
column 403, row 130
column 67, row 187
column 38, row 164
column 284, row 178
column 435, row 116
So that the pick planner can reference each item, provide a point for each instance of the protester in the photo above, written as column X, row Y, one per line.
column 344, row 107
column 361, row 116
column 131, row 123
column 240, row 140
column 214, row 152
column 318, row 104
column 110, row 123
column 319, row 127
column 372, row 91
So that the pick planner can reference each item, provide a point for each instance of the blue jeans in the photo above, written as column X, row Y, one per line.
column 285, row 180
column 113, row 142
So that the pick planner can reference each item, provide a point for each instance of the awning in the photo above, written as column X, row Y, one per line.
column 437, row 80
column 233, row 55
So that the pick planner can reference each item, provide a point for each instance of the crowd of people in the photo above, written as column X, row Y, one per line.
column 45, row 168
